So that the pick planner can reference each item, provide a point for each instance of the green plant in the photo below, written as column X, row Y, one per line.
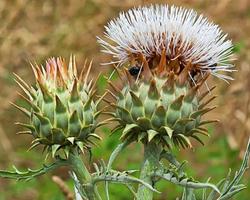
column 169, row 52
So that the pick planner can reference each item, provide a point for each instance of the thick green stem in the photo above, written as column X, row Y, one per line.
column 152, row 153
column 82, row 174
column 78, row 167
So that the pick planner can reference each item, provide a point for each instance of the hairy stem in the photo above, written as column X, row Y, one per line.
column 152, row 153
column 83, row 175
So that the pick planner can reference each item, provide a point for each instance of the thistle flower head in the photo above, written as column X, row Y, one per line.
column 177, row 34
column 62, row 110
column 161, row 108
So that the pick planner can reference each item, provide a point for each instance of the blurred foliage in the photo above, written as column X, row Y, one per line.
column 34, row 30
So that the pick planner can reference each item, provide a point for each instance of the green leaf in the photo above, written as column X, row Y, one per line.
column 45, row 125
column 169, row 131
column 144, row 122
column 234, row 187
column 58, row 136
column 54, row 149
column 185, row 140
column 29, row 174
column 112, row 158
column 186, row 182
column 151, row 134
column 120, row 177
column 213, row 193
column 74, row 124
column 226, row 182
column 128, row 129
column 232, row 193
column 188, row 194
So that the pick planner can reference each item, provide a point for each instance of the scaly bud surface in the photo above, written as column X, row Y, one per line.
column 161, row 106
column 62, row 110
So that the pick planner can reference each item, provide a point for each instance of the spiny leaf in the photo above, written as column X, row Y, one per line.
column 199, row 131
column 142, row 136
column 60, row 108
column 66, row 151
column 205, row 93
column 29, row 174
column 28, row 126
column 208, row 122
column 135, row 99
column 197, row 138
column 117, row 128
column 54, row 149
column 207, row 102
column 238, row 175
column 24, row 132
column 167, row 141
column 45, row 125
column 230, row 194
column 121, row 177
column 23, row 110
column 112, row 157
column 125, row 114
column 80, row 146
column 128, row 129
column 169, row 131
column 74, row 95
column 144, row 122
column 201, row 112
column 33, row 146
column 226, row 182
column 95, row 136
column 169, row 85
column 151, row 134
column 71, row 139
column 186, row 182
column 58, row 136
column 74, row 124
column 213, row 193
column 153, row 92
column 158, row 118
column 26, row 90
column 177, row 103
column 188, row 194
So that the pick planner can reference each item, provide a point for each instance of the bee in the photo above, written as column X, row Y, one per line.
column 134, row 71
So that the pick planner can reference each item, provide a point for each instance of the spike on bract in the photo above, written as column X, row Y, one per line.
column 162, row 105
column 62, row 107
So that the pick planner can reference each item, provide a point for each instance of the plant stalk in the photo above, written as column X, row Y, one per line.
column 82, row 174
column 151, row 162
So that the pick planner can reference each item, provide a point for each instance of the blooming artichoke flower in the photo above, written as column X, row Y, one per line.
column 62, row 111
column 178, row 34
column 170, row 52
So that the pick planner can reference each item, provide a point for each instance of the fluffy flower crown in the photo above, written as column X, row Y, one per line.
column 176, row 33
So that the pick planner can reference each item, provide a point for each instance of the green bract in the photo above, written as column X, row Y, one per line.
column 62, row 110
column 164, row 108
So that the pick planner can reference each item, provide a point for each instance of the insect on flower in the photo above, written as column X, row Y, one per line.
column 135, row 70
column 172, row 38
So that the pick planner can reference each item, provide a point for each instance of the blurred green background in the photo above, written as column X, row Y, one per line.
column 32, row 30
